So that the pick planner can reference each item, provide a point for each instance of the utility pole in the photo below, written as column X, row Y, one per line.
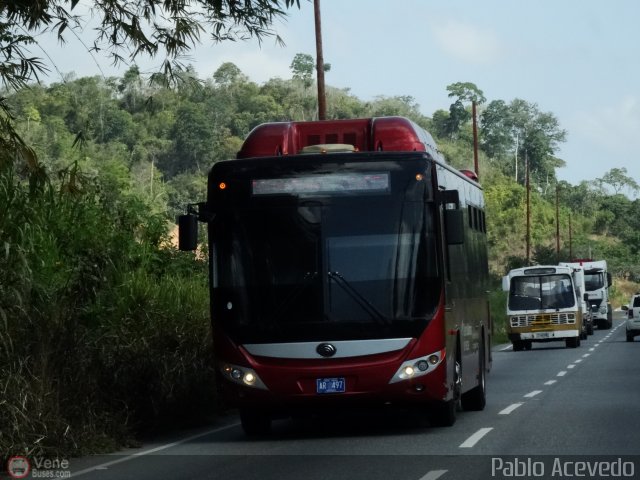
column 557, row 225
column 528, row 183
column 516, row 159
column 475, row 138
column 322, row 101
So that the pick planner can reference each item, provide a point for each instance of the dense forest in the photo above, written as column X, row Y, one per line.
column 140, row 139
column 104, row 326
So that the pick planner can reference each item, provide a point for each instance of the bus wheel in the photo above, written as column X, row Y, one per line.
column 475, row 399
column 528, row 344
column 255, row 423
column 443, row 414
column 518, row 345
column 573, row 342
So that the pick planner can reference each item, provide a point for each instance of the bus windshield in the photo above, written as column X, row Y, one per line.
column 326, row 268
column 542, row 292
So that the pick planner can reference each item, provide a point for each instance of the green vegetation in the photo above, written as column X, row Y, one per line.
column 104, row 327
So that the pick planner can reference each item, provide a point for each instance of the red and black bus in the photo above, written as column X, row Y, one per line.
column 348, row 266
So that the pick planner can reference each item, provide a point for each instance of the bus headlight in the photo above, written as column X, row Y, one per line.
column 242, row 376
column 418, row 367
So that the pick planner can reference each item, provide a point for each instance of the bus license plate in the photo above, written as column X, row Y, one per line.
column 543, row 335
column 330, row 385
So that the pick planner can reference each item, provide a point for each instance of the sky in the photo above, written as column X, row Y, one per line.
column 578, row 59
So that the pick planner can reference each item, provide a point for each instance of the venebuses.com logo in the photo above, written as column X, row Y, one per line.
column 20, row 466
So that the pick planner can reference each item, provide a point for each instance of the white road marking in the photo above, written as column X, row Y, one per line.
column 476, row 437
column 533, row 394
column 561, row 374
column 550, row 382
column 586, row 355
column 571, row 366
column 578, row 361
column 104, row 466
column 434, row 475
column 508, row 347
column 510, row 409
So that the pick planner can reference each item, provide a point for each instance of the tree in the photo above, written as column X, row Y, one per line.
column 302, row 67
column 402, row 105
column 496, row 135
column 439, row 123
column 466, row 91
column 618, row 179
column 458, row 114
column 193, row 139
column 343, row 104
column 130, row 87
column 518, row 133
column 227, row 74
column 131, row 28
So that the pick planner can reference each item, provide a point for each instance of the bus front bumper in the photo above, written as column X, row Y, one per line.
column 546, row 335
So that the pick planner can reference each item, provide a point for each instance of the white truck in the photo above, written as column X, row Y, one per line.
column 597, row 282
column 580, row 283
column 543, row 305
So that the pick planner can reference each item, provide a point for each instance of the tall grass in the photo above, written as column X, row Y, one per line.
column 103, row 332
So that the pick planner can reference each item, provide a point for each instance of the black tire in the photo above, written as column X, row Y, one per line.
column 528, row 345
column 443, row 414
column 255, row 423
column 518, row 345
column 476, row 399
column 608, row 323
column 590, row 329
column 573, row 342
column 629, row 337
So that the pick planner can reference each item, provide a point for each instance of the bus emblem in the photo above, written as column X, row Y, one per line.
column 326, row 350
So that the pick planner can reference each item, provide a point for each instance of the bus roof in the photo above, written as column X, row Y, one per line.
column 588, row 264
column 540, row 270
column 395, row 134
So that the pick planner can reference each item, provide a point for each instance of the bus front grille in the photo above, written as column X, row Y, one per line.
column 543, row 320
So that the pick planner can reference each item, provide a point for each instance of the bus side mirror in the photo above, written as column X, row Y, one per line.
column 454, row 224
column 505, row 283
column 609, row 282
column 586, row 297
column 188, row 232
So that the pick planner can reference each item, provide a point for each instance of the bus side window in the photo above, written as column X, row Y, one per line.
column 454, row 225
column 453, row 217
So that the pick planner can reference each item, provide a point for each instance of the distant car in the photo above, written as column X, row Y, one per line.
column 633, row 317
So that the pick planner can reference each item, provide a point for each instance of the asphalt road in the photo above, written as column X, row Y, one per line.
column 552, row 412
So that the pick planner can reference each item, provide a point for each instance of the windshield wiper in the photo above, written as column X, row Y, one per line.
column 358, row 297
